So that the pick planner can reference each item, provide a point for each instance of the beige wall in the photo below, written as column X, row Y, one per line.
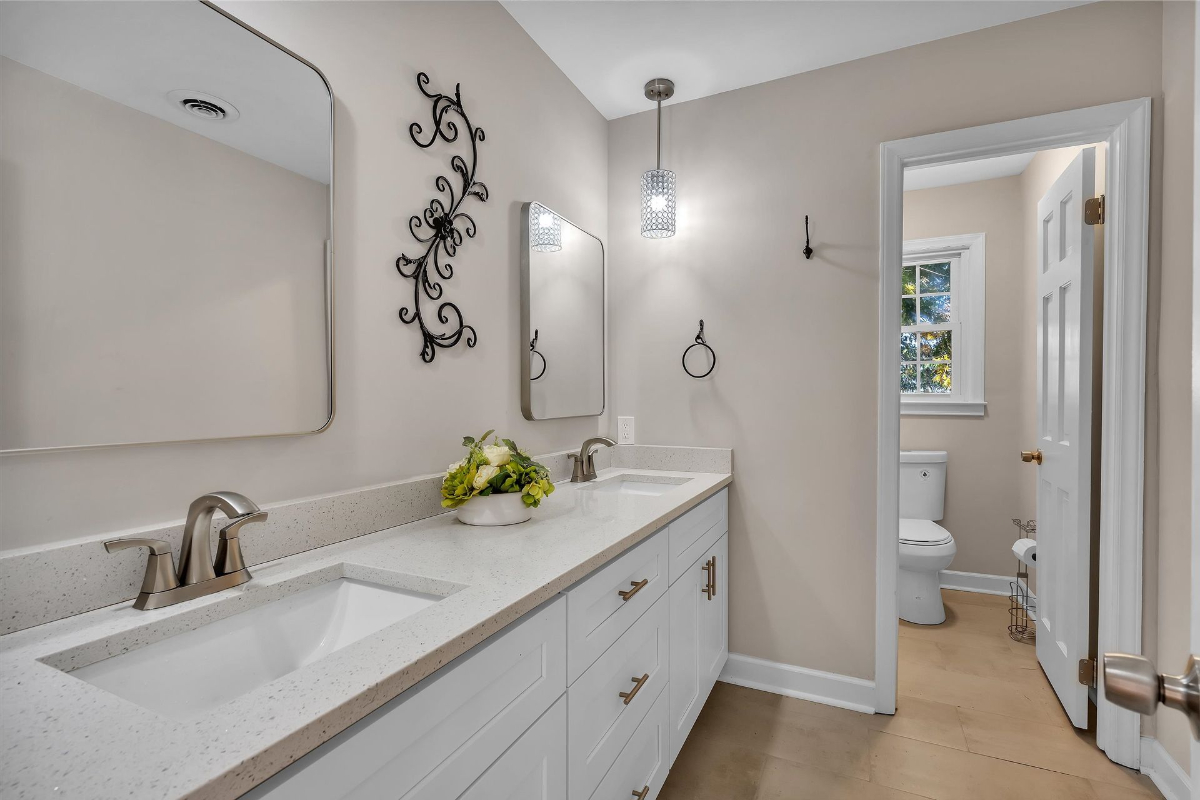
column 986, row 486
column 397, row 417
column 133, row 250
column 1171, row 373
column 795, row 390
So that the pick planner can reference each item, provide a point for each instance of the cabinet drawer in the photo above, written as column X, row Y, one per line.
column 644, row 761
column 534, row 768
column 435, row 739
column 695, row 532
column 597, row 611
column 599, row 720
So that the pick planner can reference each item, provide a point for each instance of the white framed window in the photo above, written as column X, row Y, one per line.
column 942, row 326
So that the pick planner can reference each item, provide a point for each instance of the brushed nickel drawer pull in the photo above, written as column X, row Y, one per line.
column 638, row 683
column 637, row 587
column 642, row 794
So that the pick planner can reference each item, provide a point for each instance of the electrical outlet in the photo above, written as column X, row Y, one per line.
column 624, row 430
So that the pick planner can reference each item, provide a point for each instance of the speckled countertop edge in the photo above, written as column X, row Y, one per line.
column 62, row 737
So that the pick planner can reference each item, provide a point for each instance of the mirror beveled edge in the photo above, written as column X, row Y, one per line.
column 329, row 339
column 526, row 328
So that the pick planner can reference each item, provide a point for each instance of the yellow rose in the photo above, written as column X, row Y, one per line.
column 497, row 454
column 485, row 474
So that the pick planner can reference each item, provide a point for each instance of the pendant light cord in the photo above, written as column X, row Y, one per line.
column 658, row 152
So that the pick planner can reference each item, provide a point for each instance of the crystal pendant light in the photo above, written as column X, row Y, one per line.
column 658, row 184
column 545, row 229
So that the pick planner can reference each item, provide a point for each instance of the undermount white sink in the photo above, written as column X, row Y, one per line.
column 645, row 485
column 194, row 672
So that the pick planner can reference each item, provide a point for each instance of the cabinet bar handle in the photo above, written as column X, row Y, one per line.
column 637, row 587
column 708, row 589
column 642, row 794
column 638, row 683
column 712, row 577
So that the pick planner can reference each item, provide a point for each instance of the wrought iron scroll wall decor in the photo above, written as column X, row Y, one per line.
column 700, row 343
column 533, row 351
column 808, row 251
column 442, row 225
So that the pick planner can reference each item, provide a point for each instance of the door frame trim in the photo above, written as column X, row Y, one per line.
column 1125, row 127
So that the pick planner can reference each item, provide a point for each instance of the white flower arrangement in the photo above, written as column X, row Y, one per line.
column 497, row 468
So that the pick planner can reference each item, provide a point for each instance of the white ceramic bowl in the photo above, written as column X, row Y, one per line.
column 495, row 509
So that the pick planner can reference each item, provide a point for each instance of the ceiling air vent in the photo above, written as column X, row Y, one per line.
column 204, row 105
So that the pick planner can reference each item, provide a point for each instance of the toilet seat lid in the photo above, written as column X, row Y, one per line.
column 923, row 532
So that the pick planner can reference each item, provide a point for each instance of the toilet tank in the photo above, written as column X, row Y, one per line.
column 922, row 484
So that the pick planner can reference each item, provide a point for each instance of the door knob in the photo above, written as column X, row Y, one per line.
column 1031, row 455
column 1133, row 682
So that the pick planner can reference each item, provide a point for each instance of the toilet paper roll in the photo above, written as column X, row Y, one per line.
column 1026, row 551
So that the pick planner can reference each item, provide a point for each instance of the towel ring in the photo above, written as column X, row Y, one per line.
column 700, row 343
column 533, row 351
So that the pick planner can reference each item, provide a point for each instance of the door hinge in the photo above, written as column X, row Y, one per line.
column 1093, row 211
column 1087, row 672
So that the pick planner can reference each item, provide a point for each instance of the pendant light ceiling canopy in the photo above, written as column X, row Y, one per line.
column 658, row 184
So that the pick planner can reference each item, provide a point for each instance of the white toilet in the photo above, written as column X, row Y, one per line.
column 926, row 548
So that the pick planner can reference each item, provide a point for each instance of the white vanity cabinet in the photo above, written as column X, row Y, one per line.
column 588, row 697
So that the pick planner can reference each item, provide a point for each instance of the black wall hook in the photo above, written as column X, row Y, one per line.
column 808, row 251
column 700, row 343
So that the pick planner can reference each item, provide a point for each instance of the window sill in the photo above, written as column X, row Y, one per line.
column 941, row 408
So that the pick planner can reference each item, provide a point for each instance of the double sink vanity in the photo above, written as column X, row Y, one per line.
column 567, row 657
column 360, row 644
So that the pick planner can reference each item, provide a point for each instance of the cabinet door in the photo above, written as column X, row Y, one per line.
column 714, row 618
column 699, row 639
column 535, row 768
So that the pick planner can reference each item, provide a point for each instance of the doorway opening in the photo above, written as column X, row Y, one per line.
column 984, row 309
column 1000, row 350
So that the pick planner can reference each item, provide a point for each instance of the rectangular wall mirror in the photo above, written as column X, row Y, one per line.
column 562, row 330
column 165, row 251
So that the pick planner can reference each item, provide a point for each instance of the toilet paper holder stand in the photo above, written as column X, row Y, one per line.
column 1022, row 606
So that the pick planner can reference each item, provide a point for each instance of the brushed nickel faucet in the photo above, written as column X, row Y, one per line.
column 197, row 575
column 584, row 468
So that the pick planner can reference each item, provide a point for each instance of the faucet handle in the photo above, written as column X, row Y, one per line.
column 577, row 467
column 160, row 567
column 229, row 545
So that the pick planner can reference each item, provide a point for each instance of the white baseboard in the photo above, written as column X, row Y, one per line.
column 975, row 582
column 1167, row 775
column 855, row 694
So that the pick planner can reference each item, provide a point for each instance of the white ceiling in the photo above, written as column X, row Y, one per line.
column 135, row 53
column 610, row 48
column 966, row 172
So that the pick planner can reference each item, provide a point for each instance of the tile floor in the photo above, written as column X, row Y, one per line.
column 976, row 719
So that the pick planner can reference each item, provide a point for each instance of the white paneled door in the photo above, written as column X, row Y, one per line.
column 1064, row 406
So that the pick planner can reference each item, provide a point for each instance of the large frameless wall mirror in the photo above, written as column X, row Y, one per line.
column 562, row 331
column 165, row 254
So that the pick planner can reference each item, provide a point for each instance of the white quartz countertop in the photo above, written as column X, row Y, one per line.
column 63, row 738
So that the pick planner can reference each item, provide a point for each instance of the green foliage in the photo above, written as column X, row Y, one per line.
column 499, row 468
